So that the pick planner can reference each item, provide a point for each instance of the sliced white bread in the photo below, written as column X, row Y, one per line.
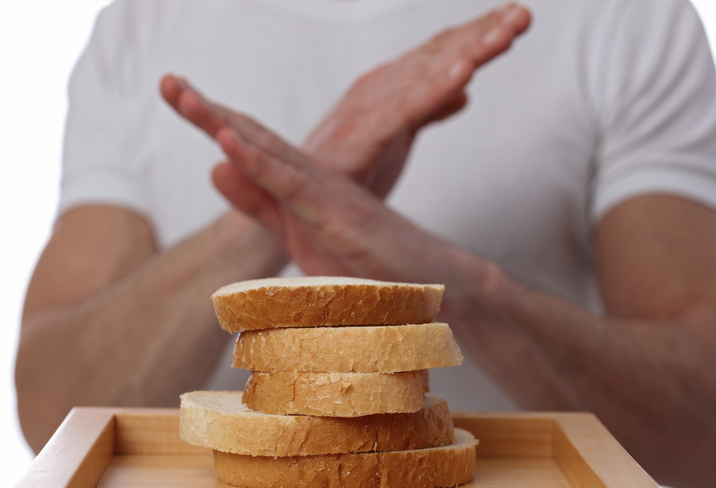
column 335, row 394
column 323, row 301
column 218, row 420
column 423, row 468
column 359, row 349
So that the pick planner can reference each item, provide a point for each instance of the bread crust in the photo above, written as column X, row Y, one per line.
column 424, row 468
column 335, row 394
column 357, row 349
column 218, row 420
column 323, row 301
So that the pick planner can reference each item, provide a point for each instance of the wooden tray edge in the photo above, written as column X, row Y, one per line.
column 586, row 451
column 83, row 446
column 77, row 454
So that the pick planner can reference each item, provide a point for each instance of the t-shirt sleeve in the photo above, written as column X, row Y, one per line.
column 98, row 161
column 656, row 115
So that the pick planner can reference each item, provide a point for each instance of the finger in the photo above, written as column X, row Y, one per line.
column 433, row 100
column 329, row 204
column 511, row 21
column 212, row 117
column 450, row 108
column 195, row 107
column 309, row 251
column 251, row 200
column 191, row 105
column 263, row 138
column 415, row 89
column 241, row 192
column 246, row 196
column 516, row 17
column 343, row 225
column 480, row 40
column 313, row 254
column 445, row 65
column 290, row 183
column 170, row 89
column 199, row 110
column 450, row 60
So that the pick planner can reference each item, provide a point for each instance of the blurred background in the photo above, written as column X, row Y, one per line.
column 40, row 41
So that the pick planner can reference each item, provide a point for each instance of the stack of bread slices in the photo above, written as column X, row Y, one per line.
column 336, row 397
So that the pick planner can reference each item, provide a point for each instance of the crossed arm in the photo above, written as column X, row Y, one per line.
column 109, row 319
column 647, row 368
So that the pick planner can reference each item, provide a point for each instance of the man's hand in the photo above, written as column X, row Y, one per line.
column 369, row 134
column 646, row 368
column 367, row 137
column 329, row 224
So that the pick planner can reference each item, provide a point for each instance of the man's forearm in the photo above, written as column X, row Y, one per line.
column 653, row 383
column 142, row 340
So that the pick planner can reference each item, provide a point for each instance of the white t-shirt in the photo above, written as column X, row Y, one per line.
column 600, row 101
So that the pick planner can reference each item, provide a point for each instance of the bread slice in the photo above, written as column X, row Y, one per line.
column 423, row 468
column 335, row 394
column 359, row 349
column 323, row 301
column 218, row 420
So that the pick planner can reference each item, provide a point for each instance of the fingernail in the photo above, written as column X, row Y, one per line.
column 181, row 81
column 511, row 15
column 492, row 35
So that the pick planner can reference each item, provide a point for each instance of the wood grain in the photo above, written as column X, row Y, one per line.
column 508, row 434
column 78, row 454
column 581, row 447
column 161, row 472
column 497, row 472
column 119, row 447
column 151, row 432
column 589, row 455
column 198, row 472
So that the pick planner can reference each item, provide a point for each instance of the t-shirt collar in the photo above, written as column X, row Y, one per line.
column 345, row 12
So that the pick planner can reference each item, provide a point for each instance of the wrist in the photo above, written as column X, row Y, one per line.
column 245, row 248
column 477, row 290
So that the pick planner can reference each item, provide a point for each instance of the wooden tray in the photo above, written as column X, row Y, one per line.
column 121, row 448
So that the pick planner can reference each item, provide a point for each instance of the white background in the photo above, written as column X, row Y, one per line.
column 39, row 43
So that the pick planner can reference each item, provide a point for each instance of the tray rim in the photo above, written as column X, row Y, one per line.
column 83, row 446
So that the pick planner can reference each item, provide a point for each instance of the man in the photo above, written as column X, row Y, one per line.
column 588, row 149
